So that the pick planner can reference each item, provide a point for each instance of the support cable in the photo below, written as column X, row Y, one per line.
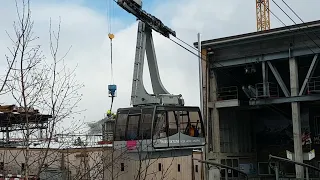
column 298, row 17
column 296, row 24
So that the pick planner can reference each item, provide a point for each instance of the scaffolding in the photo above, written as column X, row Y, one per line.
column 13, row 121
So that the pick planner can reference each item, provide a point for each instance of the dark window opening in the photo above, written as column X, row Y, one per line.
column 196, row 168
column 159, row 166
column 1, row 166
column 22, row 167
column 122, row 166
column 178, row 167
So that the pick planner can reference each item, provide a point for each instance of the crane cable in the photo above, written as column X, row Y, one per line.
column 111, row 37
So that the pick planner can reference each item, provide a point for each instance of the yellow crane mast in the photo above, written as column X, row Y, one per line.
column 263, row 15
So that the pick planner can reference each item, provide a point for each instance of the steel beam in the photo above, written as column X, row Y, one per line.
column 309, row 74
column 265, row 57
column 279, row 79
column 284, row 100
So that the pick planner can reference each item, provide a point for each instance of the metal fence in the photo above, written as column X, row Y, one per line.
column 227, row 93
column 270, row 90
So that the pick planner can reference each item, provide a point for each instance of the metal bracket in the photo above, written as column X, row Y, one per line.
column 139, row 95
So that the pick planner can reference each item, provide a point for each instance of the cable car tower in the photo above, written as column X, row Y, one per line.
column 158, row 124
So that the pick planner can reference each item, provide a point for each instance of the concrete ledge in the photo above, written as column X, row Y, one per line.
column 213, row 155
column 284, row 100
column 227, row 103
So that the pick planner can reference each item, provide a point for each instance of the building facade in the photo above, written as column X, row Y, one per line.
column 261, row 97
column 94, row 163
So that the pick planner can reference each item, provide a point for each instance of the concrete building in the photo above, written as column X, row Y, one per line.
column 94, row 163
column 175, row 168
column 54, row 163
column 261, row 97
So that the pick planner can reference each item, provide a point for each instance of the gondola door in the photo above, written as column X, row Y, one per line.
column 160, row 128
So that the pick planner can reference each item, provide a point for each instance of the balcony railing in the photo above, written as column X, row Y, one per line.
column 271, row 90
column 227, row 93
column 313, row 85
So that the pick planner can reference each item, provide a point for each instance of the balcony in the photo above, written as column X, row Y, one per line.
column 313, row 85
column 271, row 90
column 227, row 97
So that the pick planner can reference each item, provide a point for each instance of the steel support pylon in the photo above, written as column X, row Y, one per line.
column 139, row 95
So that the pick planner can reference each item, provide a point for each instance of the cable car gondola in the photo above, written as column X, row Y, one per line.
column 158, row 128
column 158, row 124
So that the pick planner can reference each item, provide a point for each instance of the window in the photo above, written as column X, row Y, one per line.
column 132, row 129
column 146, row 123
column 22, row 167
column 196, row 168
column 121, row 125
column 1, row 166
column 190, row 123
column 232, row 163
column 178, row 167
column 173, row 122
column 122, row 166
column 160, row 125
column 159, row 166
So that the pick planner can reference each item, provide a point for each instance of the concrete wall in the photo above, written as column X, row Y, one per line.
column 96, row 163
column 177, row 168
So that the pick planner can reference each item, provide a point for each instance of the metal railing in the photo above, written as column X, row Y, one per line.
column 306, row 166
column 227, row 93
column 224, row 166
column 313, row 85
column 269, row 91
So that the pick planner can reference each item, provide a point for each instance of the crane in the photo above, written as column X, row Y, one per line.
column 158, row 124
column 263, row 15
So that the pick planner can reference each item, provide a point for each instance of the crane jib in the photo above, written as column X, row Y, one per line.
column 135, row 8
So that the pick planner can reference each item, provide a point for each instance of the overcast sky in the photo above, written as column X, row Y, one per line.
column 85, row 27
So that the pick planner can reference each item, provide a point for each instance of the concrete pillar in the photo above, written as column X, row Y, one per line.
column 265, row 79
column 214, row 172
column 296, row 118
column 215, row 114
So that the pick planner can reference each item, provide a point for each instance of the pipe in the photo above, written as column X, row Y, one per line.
column 201, row 102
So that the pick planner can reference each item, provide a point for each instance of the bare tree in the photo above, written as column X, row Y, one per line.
column 38, row 82
column 61, row 96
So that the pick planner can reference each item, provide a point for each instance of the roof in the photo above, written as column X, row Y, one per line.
column 276, row 31
column 160, row 107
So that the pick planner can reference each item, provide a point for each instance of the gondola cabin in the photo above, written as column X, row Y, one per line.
column 164, row 131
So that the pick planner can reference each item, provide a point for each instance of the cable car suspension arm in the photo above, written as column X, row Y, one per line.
column 147, row 23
